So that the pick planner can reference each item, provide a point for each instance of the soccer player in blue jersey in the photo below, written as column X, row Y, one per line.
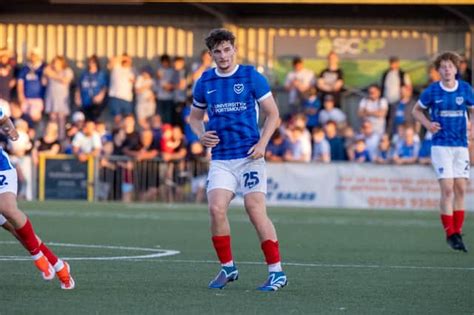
column 232, row 95
column 448, row 102
column 45, row 260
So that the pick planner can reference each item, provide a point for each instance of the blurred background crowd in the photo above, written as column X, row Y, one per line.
column 112, row 109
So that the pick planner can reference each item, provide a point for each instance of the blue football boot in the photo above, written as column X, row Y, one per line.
column 225, row 275
column 275, row 281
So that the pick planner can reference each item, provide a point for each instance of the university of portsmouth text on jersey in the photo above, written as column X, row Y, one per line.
column 229, row 107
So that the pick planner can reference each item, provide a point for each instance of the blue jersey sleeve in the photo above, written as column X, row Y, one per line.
column 103, row 82
column 199, row 100
column 470, row 96
column 426, row 98
column 23, row 73
column 261, row 86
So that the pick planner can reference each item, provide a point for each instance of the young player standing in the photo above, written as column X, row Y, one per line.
column 44, row 259
column 448, row 101
column 232, row 94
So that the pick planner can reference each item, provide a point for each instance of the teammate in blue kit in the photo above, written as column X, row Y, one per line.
column 448, row 102
column 15, row 221
column 232, row 95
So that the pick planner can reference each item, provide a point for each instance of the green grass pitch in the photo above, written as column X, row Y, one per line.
column 337, row 262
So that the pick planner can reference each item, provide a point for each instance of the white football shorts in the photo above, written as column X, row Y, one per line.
column 3, row 220
column 450, row 162
column 8, row 181
column 245, row 175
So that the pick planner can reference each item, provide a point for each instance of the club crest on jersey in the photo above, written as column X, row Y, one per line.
column 238, row 88
column 459, row 100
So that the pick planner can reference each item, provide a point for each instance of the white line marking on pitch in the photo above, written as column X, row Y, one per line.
column 159, row 253
column 155, row 252
column 321, row 265
column 422, row 223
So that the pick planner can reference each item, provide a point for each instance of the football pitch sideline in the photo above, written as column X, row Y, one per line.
column 158, row 259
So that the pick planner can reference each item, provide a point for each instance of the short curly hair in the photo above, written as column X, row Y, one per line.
column 449, row 55
column 218, row 35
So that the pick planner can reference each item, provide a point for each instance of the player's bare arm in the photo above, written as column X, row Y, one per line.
column 419, row 114
column 7, row 127
column 270, row 109
column 472, row 123
column 207, row 138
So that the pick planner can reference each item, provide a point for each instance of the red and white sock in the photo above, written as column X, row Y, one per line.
column 447, row 221
column 58, row 265
column 29, row 239
column 223, row 250
column 53, row 259
column 272, row 255
column 458, row 220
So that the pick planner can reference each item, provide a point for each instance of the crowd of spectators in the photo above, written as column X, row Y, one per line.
column 317, row 129
column 102, row 111
column 143, row 114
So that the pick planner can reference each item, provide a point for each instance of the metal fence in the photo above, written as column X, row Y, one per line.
column 120, row 178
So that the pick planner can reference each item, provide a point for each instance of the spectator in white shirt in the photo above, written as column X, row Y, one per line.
column 122, row 79
column 297, row 83
column 87, row 143
column 330, row 112
column 374, row 109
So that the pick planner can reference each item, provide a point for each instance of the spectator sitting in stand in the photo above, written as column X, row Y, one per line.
column 300, row 146
column 321, row 147
column 407, row 153
column 77, row 124
column 336, row 142
column 349, row 137
column 311, row 106
column 86, row 143
column 278, row 149
column 383, row 153
column 403, row 111
column 329, row 112
column 371, row 138
column 361, row 154
column 48, row 144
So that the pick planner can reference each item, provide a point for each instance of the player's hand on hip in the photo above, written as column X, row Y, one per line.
column 257, row 151
column 209, row 139
column 435, row 127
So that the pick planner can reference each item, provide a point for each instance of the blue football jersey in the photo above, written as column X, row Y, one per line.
column 449, row 108
column 5, row 163
column 4, row 160
column 231, row 101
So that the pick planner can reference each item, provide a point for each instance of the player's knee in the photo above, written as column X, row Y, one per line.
column 7, row 205
column 217, row 212
column 447, row 193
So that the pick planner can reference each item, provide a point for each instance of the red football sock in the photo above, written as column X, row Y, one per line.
column 458, row 220
column 447, row 221
column 28, row 237
column 222, row 246
column 271, row 251
column 49, row 254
